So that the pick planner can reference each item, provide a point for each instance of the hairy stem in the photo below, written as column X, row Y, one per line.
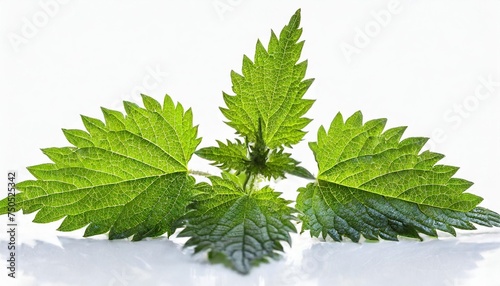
column 200, row 173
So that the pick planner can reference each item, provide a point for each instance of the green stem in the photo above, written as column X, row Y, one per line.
column 249, row 183
column 199, row 173
column 247, row 178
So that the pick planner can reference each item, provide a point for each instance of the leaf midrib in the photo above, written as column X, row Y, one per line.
column 91, row 187
column 280, row 71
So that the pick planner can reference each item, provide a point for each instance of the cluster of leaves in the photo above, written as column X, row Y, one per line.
column 128, row 176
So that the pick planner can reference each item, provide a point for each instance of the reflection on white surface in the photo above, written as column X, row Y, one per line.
column 434, row 262
column 447, row 261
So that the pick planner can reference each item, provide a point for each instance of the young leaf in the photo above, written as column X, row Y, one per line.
column 267, row 109
column 372, row 184
column 230, row 156
column 237, row 227
column 127, row 176
column 280, row 163
column 235, row 156
column 269, row 92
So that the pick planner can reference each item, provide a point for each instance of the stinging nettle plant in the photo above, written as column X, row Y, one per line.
column 128, row 176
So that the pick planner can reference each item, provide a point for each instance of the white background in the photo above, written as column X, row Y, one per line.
column 423, row 66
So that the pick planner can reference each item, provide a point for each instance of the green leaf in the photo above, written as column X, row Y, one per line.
column 362, row 157
column 230, row 156
column 238, row 228
column 267, row 110
column 280, row 163
column 337, row 211
column 127, row 176
column 372, row 184
column 270, row 91
column 236, row 156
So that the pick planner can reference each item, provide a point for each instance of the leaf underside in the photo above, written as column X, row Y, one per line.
column 238, row 228
column 127, row 176
column 337, row 211
column 373, row 184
